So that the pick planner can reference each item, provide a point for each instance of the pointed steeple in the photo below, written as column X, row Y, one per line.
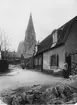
column 30, row 27
column 30, row 36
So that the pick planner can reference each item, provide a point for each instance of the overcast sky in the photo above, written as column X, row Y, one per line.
column 47, row 16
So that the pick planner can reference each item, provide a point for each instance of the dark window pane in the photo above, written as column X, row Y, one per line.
column 54, row 60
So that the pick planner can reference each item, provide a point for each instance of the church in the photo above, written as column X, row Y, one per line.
column 26, row 48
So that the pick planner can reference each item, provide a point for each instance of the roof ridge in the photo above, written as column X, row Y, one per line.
column 70, row 24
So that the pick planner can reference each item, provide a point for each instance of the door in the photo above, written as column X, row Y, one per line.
column 68, row 61
column 74, row 64
column 41, row 62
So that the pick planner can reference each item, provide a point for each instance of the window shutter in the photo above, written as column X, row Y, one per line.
column 57, row 60
column 51, row 61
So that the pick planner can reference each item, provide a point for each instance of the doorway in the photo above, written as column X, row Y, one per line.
column 68, row 61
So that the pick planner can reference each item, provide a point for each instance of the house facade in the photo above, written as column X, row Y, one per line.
column 38, row 62
column 54, row 59
column 39, row 51
column 64, row 49
column 59, row 47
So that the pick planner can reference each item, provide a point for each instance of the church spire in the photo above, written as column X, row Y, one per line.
column 30, row 27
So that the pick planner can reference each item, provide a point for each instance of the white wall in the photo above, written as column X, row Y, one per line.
column 46, row 57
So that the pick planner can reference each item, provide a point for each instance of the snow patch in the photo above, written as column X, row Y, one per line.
column 2, row 103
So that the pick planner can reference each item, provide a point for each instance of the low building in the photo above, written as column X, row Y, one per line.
column 59, row 47
column 39, row 51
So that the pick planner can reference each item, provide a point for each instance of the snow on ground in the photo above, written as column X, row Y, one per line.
column 19, row 77
column 2, row 103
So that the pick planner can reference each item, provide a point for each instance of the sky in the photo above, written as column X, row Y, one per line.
column 47, row 15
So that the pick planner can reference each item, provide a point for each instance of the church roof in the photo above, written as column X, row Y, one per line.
column 30, row 27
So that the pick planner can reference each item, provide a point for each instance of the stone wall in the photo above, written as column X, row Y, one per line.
column 3, row 66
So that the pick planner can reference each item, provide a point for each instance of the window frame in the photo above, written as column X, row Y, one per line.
column 54, row 62
column 55, row 37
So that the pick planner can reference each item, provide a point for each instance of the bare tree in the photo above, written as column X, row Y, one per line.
column 4, row 44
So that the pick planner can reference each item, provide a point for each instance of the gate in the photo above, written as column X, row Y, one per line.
column 71, row 59
column 74, row 63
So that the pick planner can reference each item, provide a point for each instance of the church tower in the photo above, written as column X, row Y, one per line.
column 30, row 38
column 30, row 27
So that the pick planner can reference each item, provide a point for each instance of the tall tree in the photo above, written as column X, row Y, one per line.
column 4, row 44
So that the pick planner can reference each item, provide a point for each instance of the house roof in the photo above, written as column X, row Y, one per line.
column 63, row 33
column 64, row 30
column 45, row 44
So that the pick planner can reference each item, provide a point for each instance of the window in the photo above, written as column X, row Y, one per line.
column 36, row 61
column 54, row 60
column 74, row 58
column 54, row 38
column 36, row 48
column 40, row 60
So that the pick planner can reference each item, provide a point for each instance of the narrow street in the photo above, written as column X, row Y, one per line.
column 22, row 77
